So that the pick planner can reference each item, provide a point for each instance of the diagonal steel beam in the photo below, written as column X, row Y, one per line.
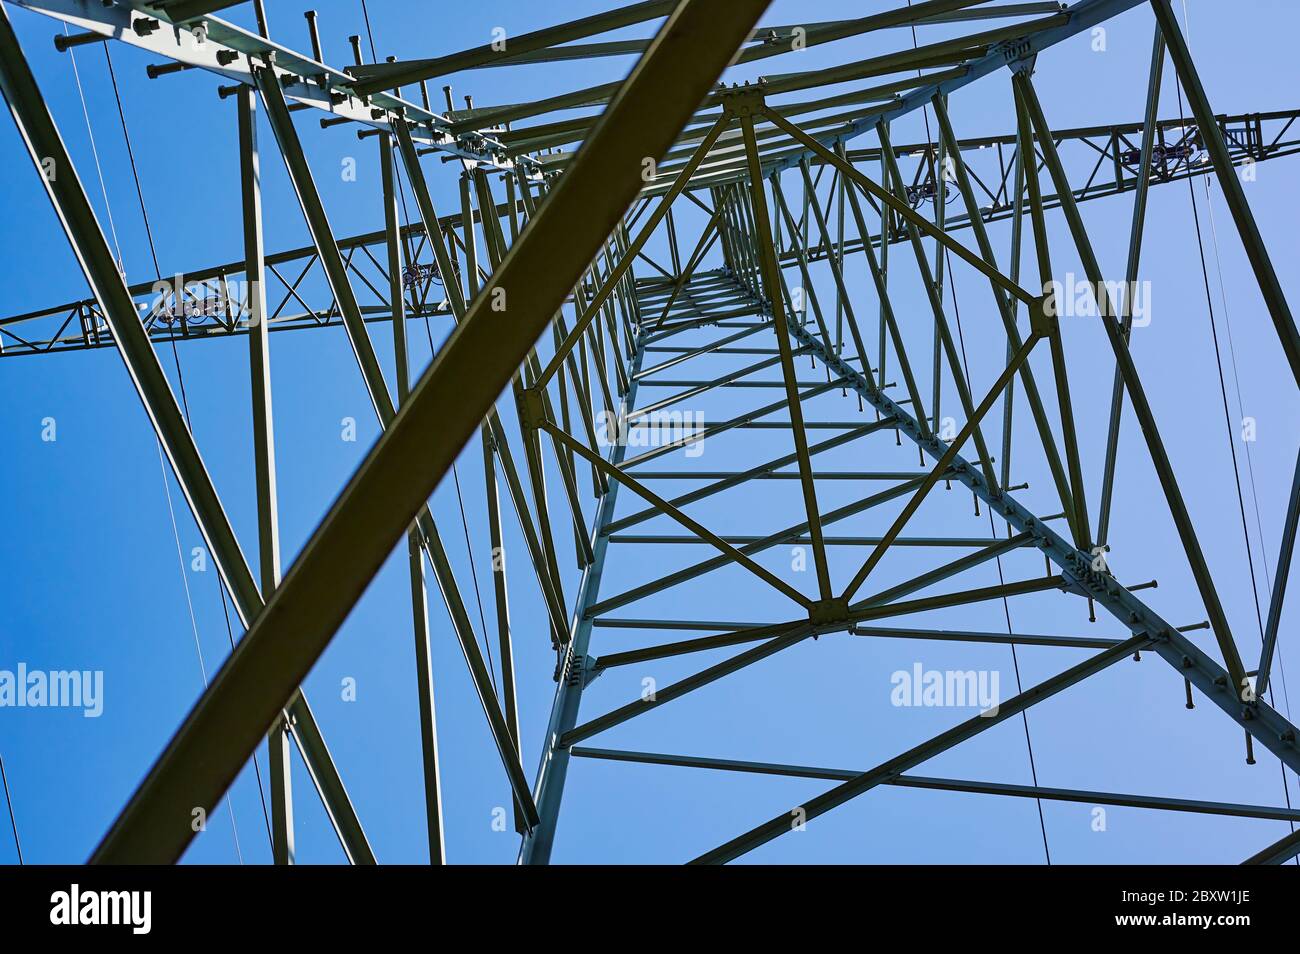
column 1228, row 809
column 1136, row 234
column 771, row 282
column 740, row 477
column 784, row 633
column 1233, row 193
column 574, row 671
column 891, row 769
column 934, row 292
column 67, row 195
column 665, row 507
column 941, row 466
column 1269, row 728
column 1077, row 497
column 625, row 262
column 771, row 540
column 1286, row 551
column 878, row 607
column 456, row 301
column 1278, row 853
column 373, row 377
column 1142, row 410
column 1081, row 16
column 395, row 480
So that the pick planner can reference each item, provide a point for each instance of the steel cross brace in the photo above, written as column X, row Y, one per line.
column 68, row 198
column 392, row 485
column 882, row 773
column 377, row 388
column 945, row 784
column 575, row 665
column 1082, row 16
column 1259, row 719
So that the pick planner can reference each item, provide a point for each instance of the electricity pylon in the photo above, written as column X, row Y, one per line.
column 541, row 272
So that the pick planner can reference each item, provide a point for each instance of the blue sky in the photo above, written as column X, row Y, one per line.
column 92, row 578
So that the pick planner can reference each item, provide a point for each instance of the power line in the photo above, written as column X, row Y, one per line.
column 9, row 801
column 179, row 298
column 1006, row 608
column 1223, row 390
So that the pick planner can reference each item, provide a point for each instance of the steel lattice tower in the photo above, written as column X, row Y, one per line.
column 570, row 336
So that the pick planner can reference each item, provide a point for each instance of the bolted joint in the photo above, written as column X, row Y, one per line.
column 746, row 100
column 579, row 672
column 1086, row 581
column 1043, row 315
column 532, row 408
column 829, row 612
column 1019, row 55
